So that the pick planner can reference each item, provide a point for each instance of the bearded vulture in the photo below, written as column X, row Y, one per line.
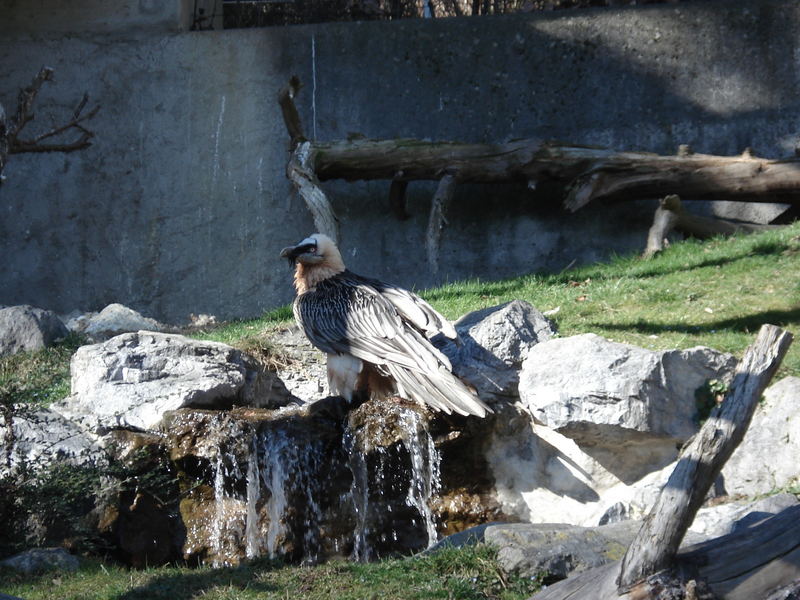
column 376, row 335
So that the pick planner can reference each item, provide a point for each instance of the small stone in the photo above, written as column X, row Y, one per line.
column 42, row 559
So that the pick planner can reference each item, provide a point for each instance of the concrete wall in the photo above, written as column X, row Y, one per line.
column 181, row 205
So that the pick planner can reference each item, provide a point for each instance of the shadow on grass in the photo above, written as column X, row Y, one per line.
column 191, row 583
column 748, row 324
column 632, row 268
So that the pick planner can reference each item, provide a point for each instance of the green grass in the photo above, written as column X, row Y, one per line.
column 467, row 573
column 714, row 293
column 38, row 378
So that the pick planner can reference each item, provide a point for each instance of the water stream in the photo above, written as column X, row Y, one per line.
column 279, row 488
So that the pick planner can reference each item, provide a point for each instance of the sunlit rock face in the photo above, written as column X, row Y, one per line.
column 131, row 380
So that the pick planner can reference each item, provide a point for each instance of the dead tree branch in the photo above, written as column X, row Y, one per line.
column 586, row 174
column 11, row 128
column 670, row 215
column 655, row 546
column 437, row 219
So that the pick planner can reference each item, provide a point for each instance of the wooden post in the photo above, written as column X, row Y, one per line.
column 656, row 544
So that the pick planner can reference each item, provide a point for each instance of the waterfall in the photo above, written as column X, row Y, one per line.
column 304, row 487
column 392, row 460
column 252, row 532
column 425, row 475
column 224, row 525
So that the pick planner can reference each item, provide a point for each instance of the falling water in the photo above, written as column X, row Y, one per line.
column 425, row 475
column 222, row 525
column 359, row 493
column 374, row 481
column 252, row 532
column 275, row 499
column 283, row 489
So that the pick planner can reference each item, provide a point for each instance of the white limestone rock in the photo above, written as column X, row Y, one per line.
column 132, row 379
column 603, row 393
column 767, row 458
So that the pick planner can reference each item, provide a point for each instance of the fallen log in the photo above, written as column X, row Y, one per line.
column 670, row 215
column 653, row 553
column 758, row 562
column 583, row 173
column 587, row 173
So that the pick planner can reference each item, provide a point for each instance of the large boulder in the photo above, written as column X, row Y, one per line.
column 494, row 343
column 39, row 437
column 603, row 393
column 766, row 460
column 26, row 328
column 132, row 379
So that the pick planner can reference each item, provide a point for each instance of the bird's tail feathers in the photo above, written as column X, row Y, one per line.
column 442, row 390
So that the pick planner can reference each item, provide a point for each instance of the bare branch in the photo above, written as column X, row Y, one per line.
column 10, row 129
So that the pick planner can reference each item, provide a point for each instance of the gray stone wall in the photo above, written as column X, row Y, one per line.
column 181, row 205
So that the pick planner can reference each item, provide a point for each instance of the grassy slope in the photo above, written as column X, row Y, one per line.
column 715, row 293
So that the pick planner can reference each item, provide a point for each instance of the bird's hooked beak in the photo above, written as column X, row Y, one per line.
column 305, row 252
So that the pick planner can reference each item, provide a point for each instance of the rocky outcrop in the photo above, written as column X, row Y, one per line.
column 26, row 328
column 603, row 393
column 131, row 380
column 767, row 458
column 494, row 342
column 257, row 461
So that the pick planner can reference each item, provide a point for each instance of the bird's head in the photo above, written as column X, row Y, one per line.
column 316, row 249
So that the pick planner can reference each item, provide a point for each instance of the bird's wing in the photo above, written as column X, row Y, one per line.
column 350, row 316
column 411, row 307
column 347, row 316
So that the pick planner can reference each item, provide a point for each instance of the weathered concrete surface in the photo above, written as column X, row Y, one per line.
column 182, row 204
